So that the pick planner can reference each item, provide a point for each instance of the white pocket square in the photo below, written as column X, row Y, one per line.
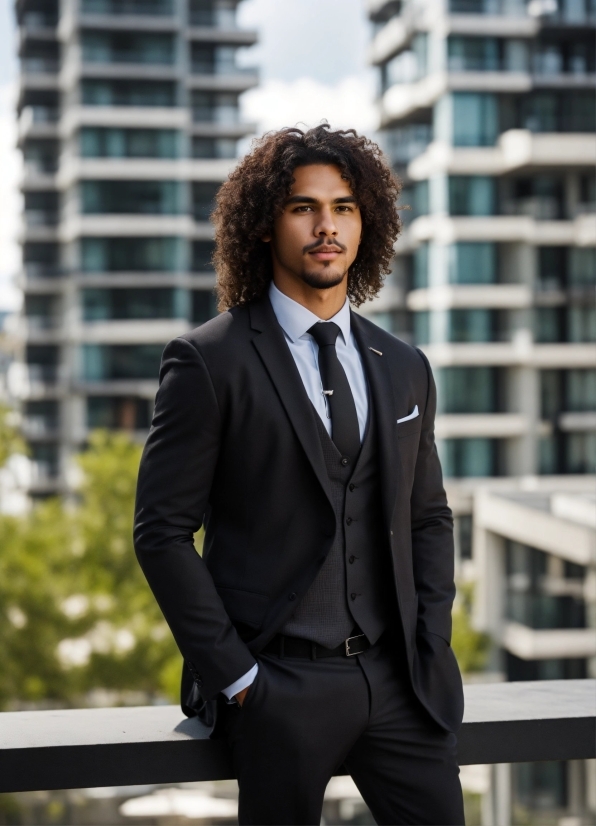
column 412, row 415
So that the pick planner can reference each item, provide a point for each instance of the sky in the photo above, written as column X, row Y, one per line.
column 312, row 64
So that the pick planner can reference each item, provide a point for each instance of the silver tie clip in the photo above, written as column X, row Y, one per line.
column 327, row 392
column 378, row 352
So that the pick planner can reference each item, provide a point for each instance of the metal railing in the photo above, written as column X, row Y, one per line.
column 83, row 748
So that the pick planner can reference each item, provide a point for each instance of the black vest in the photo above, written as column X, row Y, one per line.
column 353, row 587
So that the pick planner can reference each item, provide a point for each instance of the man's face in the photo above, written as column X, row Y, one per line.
column 315, row 239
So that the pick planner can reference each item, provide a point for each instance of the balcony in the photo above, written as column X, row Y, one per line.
column 85, row 748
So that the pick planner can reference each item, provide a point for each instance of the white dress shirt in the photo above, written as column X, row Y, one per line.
column 295, row 321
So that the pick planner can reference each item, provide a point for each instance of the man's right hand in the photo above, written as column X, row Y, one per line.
column 241, row 695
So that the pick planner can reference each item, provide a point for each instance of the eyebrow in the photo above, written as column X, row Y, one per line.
column 305, row 199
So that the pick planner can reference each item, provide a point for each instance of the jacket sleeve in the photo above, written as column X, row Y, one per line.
column 432, row 529
column 175, row 477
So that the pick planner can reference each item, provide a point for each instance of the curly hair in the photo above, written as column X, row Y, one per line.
column 253, row 196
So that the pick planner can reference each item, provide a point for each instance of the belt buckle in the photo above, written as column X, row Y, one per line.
column 347, row 644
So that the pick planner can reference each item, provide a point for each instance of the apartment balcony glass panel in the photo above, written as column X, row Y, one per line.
column 468, row 390
column 224, row 148
column 36, row 19
column 133, row 303
column 472, row 195
column 154, row 48
column 404, row 143
column 571, row 111
column 542, row 197
column 408, row 66
column 40, row 157
column 45, row 461
column 475, row 54
column 41, row 418
column 572, row 391
column 119, row 412
column 207, row 59
column 202, row 253
column 414, row 201
column 41, row 208
column 128, row 92
column 133, row 197
column 460, row 326
column 582, row 267
column 41, row 260
column 472, row 262
column 42, row 362
column 555, row 669
column 213, row 107
column 573, row 324
column 203, row 199
column 157, row 8
column 555, row 55
column 213, row 13
column 509, row 7
column 204, row 306
column 420, row 267
column 112, row 362
column 100, row 142
column 461, row 458
column 471, row 120
column 42, row 311
column 568, row 453
column 161, row 254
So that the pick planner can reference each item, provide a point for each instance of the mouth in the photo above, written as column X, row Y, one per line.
column 325, row 253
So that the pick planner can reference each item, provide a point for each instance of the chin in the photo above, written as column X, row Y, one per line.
column 322, row 280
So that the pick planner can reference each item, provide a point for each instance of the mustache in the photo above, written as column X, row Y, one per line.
column 322, row 243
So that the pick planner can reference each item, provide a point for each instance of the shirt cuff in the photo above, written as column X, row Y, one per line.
column 244, row 681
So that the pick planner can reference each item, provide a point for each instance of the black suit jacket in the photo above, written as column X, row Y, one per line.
column 234, row 446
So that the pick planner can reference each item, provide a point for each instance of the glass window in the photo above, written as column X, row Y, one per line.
column 474, row 54
column 128, row 93
column 581, row 390
column 214, row 148
column 552, row 267
column 581, row 324
column 472, row 195
column 220, row 13
column 580, row 453
column 473, row 263
column 130, row 254
column 422, row 327
column 467, row 390
column 127, row 47
column 132, row 303
column 467, row 326
column 203, row 198
column 211, row 107
column 582, row 266
column 204, row 306
column 111, row 362
column 468, row 457
column 421, row 266
column 202, row 252
column 119, row 412
column 132, row 197
column 549, row 325
column 475, row 119
column 144, row 7
column 98, row 142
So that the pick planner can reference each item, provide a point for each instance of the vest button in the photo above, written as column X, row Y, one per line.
column 352, row 486
column 352, row 559
column 345, row 461
column 349, row 520
column 353, row 596
column 292, row 596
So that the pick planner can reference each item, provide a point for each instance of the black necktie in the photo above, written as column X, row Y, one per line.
column 345, row 431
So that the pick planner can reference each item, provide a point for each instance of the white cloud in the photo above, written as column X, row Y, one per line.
column 306, row 101
column 10, row 199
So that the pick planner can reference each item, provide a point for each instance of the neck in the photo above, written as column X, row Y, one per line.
column 323, row 303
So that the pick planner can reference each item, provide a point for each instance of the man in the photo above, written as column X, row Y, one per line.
column 315, row 628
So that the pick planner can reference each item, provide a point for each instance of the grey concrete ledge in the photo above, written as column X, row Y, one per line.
column 83, row 748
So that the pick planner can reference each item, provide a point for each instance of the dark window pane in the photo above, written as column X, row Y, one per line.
column 203, row 306
column 202, row 252
column 117, row 412
column 203, row 198
column 132, row 197
column 133, row 254
column 128, row 93
column 99, row 142
column 467, row 389
column 468, row 457
column 121, row 361
column 473, row 263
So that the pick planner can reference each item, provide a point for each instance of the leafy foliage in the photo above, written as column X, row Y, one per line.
column 77, row 614
column 471, row 647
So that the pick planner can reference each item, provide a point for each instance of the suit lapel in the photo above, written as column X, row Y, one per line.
column 275, row 354
column 384, row 407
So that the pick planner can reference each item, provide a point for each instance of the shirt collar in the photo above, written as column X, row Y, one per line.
column 295, row 320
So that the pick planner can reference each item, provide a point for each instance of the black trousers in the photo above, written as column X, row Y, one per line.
column 302, row 720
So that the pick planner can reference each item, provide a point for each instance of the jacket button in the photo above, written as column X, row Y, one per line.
column 352, row 486
column 353, row 596
column 349, row 520
column 292, row 596
column 352, row 559
column 345, row 461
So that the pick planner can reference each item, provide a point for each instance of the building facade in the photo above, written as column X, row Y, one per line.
column 128, row 123
column 488, row 113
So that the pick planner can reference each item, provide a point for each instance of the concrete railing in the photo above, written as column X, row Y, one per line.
column 83, row 748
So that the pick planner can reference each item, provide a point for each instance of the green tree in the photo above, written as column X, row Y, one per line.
column 77, row 613
column 471, row 647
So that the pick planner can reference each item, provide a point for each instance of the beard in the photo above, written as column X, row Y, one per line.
column 323, row 280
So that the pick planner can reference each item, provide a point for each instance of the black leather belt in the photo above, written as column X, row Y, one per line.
column 282, row 646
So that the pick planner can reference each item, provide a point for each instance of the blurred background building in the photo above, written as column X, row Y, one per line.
column 128, row 123
column 488, row 113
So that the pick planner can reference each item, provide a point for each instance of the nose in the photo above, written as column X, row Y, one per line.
column 325, row 226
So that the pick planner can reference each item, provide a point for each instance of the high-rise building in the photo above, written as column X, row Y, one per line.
column 488, row 113
column 128, row 123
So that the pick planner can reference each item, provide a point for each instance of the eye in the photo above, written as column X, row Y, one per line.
column 304, row 208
